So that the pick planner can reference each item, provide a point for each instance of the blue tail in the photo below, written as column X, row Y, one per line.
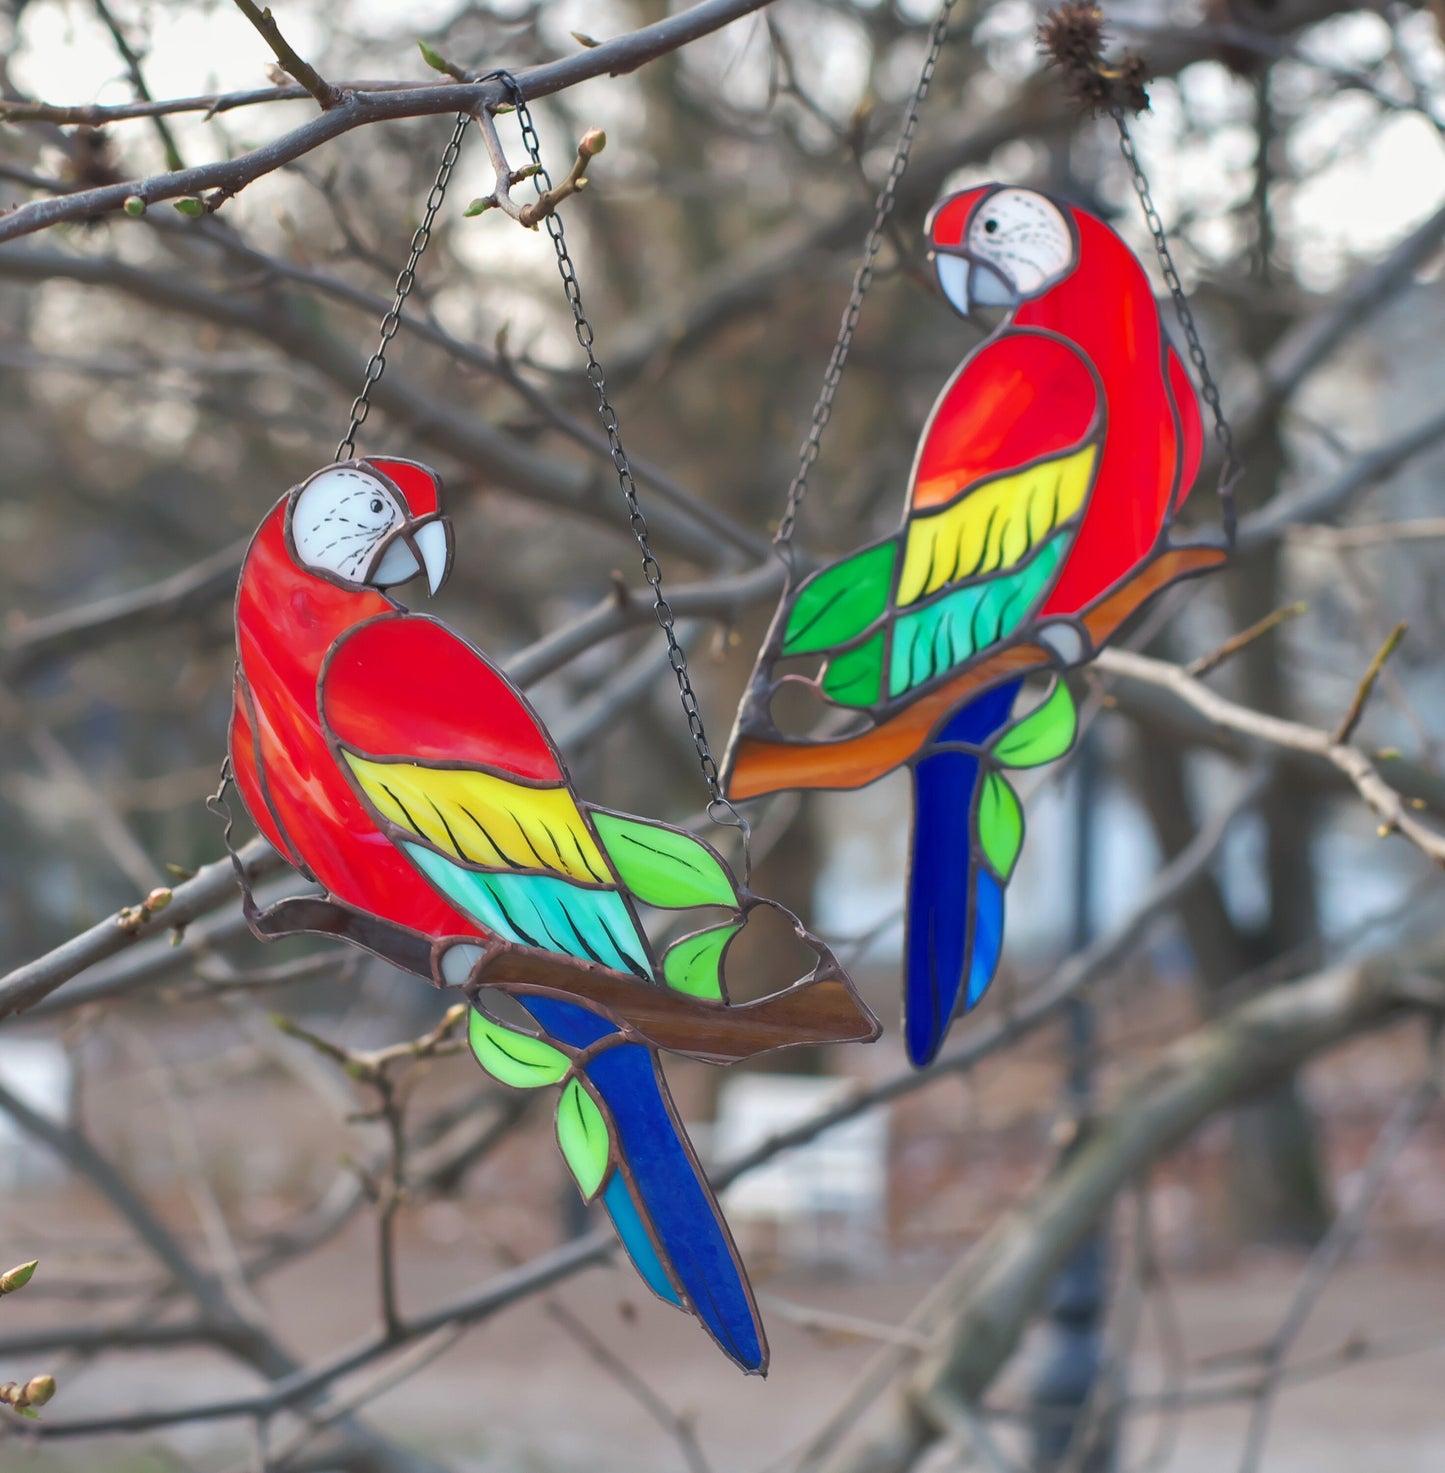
column 658, row 1199
column 954, row 925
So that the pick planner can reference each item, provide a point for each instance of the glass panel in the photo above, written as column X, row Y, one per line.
column 1000, row 825
column 514, row 1058
column 585, row 1140
column 664, row 866
column 694, row 964
column 1019, row 398
column 840, row 602
column 1044, row 482
column 1044, row 734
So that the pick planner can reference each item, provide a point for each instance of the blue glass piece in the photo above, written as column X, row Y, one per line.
column 668, row 1194
column 976, row 722
column 540, row 911
column 566, row 1022
column 680, row 1208
column 987, row 937
column 630, row 1228
column 941, row 880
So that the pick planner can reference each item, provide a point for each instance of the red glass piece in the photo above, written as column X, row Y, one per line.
column 415, row 482
column 1191, row 426
column 1016, row 399
column 245, row 767
column 406, row 686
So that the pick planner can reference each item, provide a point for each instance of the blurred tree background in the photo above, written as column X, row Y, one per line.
column 1255, row 892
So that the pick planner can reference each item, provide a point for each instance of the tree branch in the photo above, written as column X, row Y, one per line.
column 326, row 95
column 1392, row 809
column 989, row 1298
column 211, row 886
column 359, row 109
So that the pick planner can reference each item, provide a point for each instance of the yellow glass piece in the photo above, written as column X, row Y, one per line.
column 995, row 525
column 485, row 820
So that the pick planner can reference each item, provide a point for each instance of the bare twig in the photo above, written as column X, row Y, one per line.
column 327, row 96
column 1373, row 534
column 1346, row 728
column 388, row 1189
column 359, row 109
column 216, row 883
column 1393, row 810
column 137, row 76
column 593, row 141
column 1232, row 646
column 676, row 1424
column 1344, row 1232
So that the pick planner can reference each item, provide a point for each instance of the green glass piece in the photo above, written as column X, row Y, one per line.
column 1045, row 733
column 839, row 603
column 585, row 1140
column 664, row 866
column 514, row 1058
column 937, row 636
column 1000, row 825
column 855, row 677
column 694, row 964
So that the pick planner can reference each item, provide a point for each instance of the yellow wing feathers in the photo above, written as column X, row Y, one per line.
column 993, row 526
column 485, row 820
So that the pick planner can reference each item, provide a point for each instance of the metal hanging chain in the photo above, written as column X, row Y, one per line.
column 651, row 570
column 1232, row 468
column 361, row 405
column 862, row 280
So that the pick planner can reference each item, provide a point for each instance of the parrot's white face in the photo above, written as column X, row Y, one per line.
column 1018, row 245
column 350, row 525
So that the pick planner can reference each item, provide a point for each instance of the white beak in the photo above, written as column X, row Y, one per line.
column 435, row 544
column 969, row 284
column 427, row 549
column 953, row 278
column 398, row 564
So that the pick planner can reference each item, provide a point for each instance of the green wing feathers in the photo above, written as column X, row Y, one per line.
column 956, row 582
column 838, row 603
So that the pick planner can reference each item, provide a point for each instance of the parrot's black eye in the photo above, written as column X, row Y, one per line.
column 376, row 503
column 990, row 227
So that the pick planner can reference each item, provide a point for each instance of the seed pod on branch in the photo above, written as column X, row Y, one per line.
column 1072, row 37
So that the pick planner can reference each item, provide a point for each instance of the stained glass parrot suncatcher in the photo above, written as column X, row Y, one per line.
column 392, row 764
column 1038, row 520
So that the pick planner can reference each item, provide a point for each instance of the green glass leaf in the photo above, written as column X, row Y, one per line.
column 694, row 964
column 840, row 602
column 663, row 866
column 514, row 1058
column 855, row 677
column 1045, row 733
column 1000, row 825
column 585, row 1140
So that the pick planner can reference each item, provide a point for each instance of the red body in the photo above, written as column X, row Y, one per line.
column 1087, row 358
column 287, row 621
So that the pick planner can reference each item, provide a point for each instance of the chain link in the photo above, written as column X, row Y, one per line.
column 862, row 280
column 361, row 405
column 1232, row 467
column 651, row 569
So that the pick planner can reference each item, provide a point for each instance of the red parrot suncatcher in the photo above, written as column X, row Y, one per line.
column 398, row 769
column 1037, row 521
